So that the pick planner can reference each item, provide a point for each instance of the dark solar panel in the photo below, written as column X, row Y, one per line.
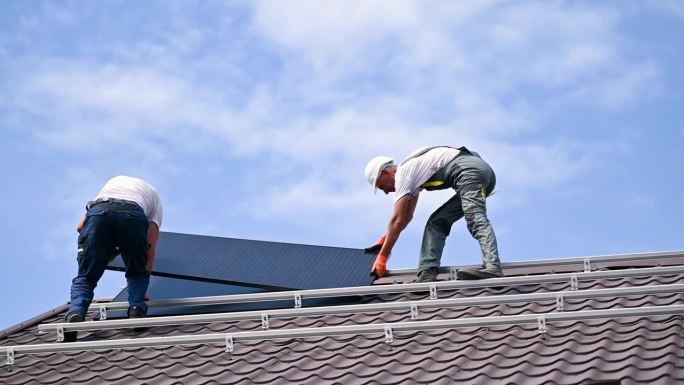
column 258, row 264
column 170, row 288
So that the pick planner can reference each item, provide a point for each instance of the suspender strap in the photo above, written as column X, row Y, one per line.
column 426, row 149
column 437, row 180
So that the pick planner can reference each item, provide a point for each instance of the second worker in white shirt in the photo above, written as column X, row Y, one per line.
column 124, row 217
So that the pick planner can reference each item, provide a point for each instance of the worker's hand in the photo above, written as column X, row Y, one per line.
column 379, row 266
column 376, row 247
column 79, row 226
column 150, row 258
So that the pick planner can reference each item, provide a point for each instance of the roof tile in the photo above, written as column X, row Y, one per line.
column 633, row 350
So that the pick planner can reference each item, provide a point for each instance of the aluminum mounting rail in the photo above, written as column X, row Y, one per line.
column 585, row 261
column 298, row 296
column 412, row 306
column 229, row 339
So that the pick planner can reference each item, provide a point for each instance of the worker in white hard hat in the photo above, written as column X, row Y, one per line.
column 436, row 168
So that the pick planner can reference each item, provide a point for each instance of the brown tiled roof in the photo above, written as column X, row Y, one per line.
column 646, row 350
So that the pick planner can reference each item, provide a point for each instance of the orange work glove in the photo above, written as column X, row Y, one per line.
column 379, row 266
column 375, row 248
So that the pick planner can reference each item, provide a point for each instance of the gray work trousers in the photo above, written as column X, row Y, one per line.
column 473, row 179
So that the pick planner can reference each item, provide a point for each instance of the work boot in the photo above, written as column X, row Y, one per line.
column 469, row 274
column 73, row 335
column 136, row 312
column 429, row 275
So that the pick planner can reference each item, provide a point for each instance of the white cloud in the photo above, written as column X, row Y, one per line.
column 537, row 42
column 640, row 82
column 85, row 109
column 339, row 29
column 350, row 80
column 59, row 241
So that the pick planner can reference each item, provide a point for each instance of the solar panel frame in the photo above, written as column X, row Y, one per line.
column 170, row 288
column 258, row 264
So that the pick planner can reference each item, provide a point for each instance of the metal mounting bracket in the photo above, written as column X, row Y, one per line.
column 103, row 312
column 389, row 337
column 574, row 285
column 10, row 359
column 559, row 302
column 60, row 334
column 264, row 321
column 229, row 346
column 587, row 265
column 433, row 291
column 541, row 323
column 414, row 311
column 298, row 300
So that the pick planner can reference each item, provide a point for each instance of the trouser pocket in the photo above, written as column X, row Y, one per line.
column 82, row 251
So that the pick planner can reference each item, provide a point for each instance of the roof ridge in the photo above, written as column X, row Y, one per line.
column 33, row 321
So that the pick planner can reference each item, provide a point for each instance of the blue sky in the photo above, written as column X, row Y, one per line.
column 255, row 119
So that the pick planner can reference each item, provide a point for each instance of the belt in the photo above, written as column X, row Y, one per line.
column 90, row 204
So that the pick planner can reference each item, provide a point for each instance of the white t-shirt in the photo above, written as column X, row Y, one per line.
column 136, row 190
column 412, row 174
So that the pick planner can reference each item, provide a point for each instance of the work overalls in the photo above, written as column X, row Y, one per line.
column 473, row 180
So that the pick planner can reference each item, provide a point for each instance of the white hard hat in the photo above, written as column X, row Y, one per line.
column 374, row 167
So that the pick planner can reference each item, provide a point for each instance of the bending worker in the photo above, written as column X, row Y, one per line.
column 436, row 168
column 125, row 215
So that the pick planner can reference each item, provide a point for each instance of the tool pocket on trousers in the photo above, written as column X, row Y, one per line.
column 139, row 216
column 474, row 204
column 82, row 252
column 96, row 211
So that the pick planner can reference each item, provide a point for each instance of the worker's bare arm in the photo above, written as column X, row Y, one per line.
column 152, row 236
column 401, row 217
column 79, row 226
